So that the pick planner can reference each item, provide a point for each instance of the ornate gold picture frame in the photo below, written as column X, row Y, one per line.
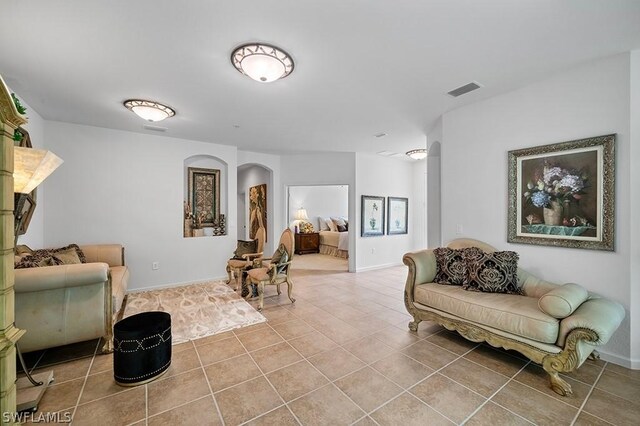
column 563, row 194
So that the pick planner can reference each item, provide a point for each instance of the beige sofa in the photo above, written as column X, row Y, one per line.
column 556, row 326
column 64, row 304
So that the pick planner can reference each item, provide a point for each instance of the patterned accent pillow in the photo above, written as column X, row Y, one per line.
column 37, row 260
column 281, row 267
column 495, row 272
column 277, row 256
column 450, row 266
column 66, row 257
column 245, row 247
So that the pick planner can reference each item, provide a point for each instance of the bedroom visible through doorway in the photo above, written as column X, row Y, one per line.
column 320, row 216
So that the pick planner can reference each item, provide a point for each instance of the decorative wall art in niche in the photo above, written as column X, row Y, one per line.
column 563, row 194
column 372, row 216
column 202, row 208
column 398, row 213
column 257, row 209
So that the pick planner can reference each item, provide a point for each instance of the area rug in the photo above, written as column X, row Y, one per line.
column 197, row 310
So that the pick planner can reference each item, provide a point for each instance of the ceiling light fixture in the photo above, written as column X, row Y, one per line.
column 417, row 154
column 149, row 110
column 262, row 62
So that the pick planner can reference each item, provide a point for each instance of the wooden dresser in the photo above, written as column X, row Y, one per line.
column 308, row 243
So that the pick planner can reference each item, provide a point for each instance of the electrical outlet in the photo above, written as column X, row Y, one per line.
column 155, row 266
column 459, row 229
column 373, row 250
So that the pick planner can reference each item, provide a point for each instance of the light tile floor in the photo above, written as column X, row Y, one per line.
column 342, row 354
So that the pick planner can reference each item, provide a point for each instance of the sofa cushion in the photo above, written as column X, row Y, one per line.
column 450, row 266
column 515, row 314
column 563, row 301
column 495, row 272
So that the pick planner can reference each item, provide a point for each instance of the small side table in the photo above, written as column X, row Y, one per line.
column 307, row 243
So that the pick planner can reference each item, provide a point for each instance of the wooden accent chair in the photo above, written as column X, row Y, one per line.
column 235, row 266
column 277, row 271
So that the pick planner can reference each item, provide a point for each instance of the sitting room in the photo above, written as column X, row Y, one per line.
column 331, row 213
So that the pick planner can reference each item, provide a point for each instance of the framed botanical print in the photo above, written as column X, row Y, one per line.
column 563, row 194
column 372, row 216
column 398, row 213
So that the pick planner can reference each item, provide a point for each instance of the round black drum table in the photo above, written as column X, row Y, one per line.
column 142, row 348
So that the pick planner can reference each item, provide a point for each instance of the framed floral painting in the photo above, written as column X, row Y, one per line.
column 372, row 219
column 563, row 194
column 398, row 214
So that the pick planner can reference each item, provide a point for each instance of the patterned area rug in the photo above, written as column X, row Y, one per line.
column 197, row 310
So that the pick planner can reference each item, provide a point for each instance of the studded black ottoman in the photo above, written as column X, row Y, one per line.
column 142, row 348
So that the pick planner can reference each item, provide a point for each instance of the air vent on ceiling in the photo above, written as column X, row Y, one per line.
column 155, row 128
column 380, row 135
column 464, row 89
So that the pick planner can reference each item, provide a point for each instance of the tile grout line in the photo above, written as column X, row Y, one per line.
column 206, row 378
column 86, row 378
column 489, row 399
column 575, row 418
column 267, row 379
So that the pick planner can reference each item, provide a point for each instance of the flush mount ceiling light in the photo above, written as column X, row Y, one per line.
column 417, row 154
column 262, row 62
column 149, row 110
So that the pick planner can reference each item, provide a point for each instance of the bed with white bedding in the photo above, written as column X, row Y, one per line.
column 335, row 243
column 332, row 242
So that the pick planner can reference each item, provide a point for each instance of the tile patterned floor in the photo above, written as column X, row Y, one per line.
column 341, row 355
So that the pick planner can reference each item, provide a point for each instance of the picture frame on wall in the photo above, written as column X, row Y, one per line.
column 372, row 216
column 204, row 194
column 563, row 194
column 398, row 215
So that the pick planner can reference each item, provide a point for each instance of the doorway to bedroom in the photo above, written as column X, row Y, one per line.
column 319, row 215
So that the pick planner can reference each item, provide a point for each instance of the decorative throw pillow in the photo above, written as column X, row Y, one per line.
column 245, row 247
column 64, row 252
column 278, row 254
column 323, row 224
column 332, row 226
column 342, row 228
column 495, row 272
column 23, row 249
column 450, row 266
column 68, row 256
column 37, row 260
column 281, row 267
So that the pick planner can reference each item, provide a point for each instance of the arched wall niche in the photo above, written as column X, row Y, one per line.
column 251, row 175
column 206, row 196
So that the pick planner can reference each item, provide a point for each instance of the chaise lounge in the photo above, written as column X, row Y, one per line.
column 556, row 326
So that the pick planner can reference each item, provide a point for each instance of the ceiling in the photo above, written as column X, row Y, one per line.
column 362, row 67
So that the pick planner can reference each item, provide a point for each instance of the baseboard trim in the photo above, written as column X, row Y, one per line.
column 375, row 267
column 181, row 284
column 633, row 364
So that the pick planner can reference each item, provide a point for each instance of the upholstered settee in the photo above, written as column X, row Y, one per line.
column 556, row 326
column 64, row 304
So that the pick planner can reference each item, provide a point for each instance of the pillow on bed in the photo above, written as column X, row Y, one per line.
column 323, row 224
column 338, row 222
column 332, row 226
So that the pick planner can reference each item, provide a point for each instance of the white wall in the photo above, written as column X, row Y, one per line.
column 127, row 188
column 319, row 201
column 373, row 177
column 34, row 237
column 588, row 101
column 434, row 196
column 634, row 194
column 418, row 205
